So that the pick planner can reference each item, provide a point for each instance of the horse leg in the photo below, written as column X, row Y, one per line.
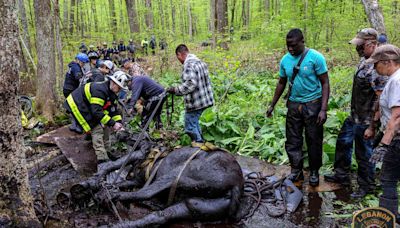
column 194, row 208
column 177, row 211
column 147, row 192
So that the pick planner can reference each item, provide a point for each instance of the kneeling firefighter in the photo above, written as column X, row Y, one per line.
column 94, row 107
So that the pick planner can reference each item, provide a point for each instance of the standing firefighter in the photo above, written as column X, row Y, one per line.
column 74, row 73
column 72, row 80
column 307, row 73
column 359, row 126
column 93, row 106
column 196, row 89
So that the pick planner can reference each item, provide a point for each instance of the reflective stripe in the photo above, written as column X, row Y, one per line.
column 106, row 112
column 96, row 100
column 87, row 92
column 117, row 117
column 77, row 114
column 92, row 100
column 105, row 119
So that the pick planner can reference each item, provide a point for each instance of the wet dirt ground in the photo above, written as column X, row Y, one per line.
column 58, row 175
column 51, row 172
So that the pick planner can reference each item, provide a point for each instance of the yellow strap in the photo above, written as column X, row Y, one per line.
column 172, row 190
column 106, row 112
column 77, row 114
column 105, row 119
column 87, row 92
column 117, row 118
column 96, row 100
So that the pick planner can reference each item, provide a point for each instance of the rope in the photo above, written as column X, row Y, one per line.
column 114, row 208
column 174, row 185
column 261, row 187
column 141, row 135
column 170, row 112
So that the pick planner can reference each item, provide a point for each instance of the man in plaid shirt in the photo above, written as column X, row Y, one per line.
column 196, row 89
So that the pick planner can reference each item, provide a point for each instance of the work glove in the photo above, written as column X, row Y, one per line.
column 118, row 126
column 379, row 153
column 171, row 90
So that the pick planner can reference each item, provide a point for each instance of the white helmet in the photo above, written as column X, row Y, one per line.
column 121, row 79
column 108, row 64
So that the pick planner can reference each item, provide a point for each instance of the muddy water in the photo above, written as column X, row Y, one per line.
column 311, row 212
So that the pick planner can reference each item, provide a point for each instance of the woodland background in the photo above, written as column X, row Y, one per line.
column 39, row 37
column 247, row 40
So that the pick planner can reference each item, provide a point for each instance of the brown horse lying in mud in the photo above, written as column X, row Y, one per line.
column 209, row 186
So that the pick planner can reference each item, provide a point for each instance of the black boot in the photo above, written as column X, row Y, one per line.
column 345, row 181
column 296, row 175
column 390, row 204
column 314, row 178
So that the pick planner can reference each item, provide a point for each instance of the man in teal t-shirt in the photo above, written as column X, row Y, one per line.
column 307, row 104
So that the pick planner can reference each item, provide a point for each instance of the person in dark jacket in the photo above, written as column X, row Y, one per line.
column 72, row 81
column 151, row 92
column 83, row 48
column 153, row 44
column 93, row 58
column 106, row 52
column 131, row 49
column 74, row 73
column 93, row 106
column 122, row 48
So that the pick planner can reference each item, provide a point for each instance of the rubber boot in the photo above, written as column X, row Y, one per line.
column 390, row 204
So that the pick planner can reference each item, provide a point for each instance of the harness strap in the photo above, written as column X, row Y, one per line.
column 172, row 191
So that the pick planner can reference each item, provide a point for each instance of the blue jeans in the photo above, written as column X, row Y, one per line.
column 350, row 132
column 390, row 174
column 192, row 126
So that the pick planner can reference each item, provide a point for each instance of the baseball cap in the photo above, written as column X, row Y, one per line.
column 364, row 35
column 384, row 52
column 108, row 64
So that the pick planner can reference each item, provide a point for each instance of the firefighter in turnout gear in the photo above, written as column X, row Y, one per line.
column 94, row 107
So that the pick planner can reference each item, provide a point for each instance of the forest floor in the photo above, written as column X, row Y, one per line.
column 51, row 173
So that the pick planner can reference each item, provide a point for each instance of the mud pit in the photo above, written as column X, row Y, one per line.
column 50, row 173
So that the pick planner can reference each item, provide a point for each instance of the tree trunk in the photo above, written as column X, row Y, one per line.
column 213, row 22
column 65, row 16
column 173, row 15
column 72, row 17
column 161, row 16
column 245, row 12
column 267, row 7
column 46, row 71
column 60, row 65
column 113, row 19
column 222, row 21
column 374, row 14
column 94, row 15
column 132, row 16
column 16, row 205
column 305, row 19
column 149, row 15
column 24, row 24
column 233, row 12
column 82, row 20
column 190, row 22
